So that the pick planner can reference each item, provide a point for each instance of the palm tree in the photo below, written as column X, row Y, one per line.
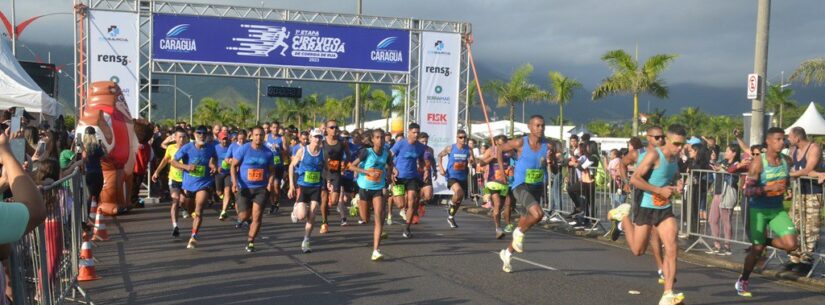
column 312, row 106
column 288, row 110
column 811, row 70
column 692, row 118
column 629, row 77
column 209, row 110
column 336, row 109
column 778, row 98
column 382, row 102
column 241, row 116
column 562, row 93
column 517, row 90
column 365, row 100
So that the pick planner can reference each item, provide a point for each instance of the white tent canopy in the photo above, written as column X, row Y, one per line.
column 17, row 89
column 811, row 121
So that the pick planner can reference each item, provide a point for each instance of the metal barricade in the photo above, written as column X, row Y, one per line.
column 710, row 192
column 806, row 213
column 44, row 263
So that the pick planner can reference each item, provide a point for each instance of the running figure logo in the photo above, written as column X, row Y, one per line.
column 262, row 40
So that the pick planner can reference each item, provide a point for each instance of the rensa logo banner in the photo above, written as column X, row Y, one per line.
column 439, row 85
column 238, row 41
column 113, row 52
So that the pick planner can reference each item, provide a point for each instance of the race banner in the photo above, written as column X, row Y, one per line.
column 276, row 43
column 113, row 52
column 439, row 85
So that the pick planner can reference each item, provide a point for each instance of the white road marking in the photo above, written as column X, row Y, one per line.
column 530, row 262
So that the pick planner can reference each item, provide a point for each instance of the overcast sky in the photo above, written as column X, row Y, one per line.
column 714, row 38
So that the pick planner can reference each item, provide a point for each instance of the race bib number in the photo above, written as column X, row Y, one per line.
column 460, row 166
column 225, row 165
column 534, row 176
column 780, row 185
column 500, row 174
column 176, row 175
column 198, row 172
column 255, row 174
column 398, row 190
column 334, row 165
column 276, row 159
column 312, row 177
column 660, row 201
column 375, row 175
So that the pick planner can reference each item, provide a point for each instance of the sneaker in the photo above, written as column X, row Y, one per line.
column 743, row 288
column 407, row 233
column 713, row 251
column 293, row 218
column 193, row 243
column 670, row 298
column 725, row 252
column 619, row 212
column 556, row 219
column 384, row 235
column 389, row 220
column 403, row 214
column 661, row 277
column 175, row 232
column 509, row 228
column 274, row 210
column 614, row 230
column 250, row 247
column 452, row 223
column 505, row 259
column 344, row 222
column 499, row 233
column 518, row 241
column 377, row 256
column 184, row 214
column 361, row 222
column 683, row 235
column 223, row 216
column 305, row 247
column 324, row 228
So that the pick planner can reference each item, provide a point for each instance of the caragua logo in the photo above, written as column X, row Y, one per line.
column 438, row 48
column 174, row 43
column 113, row 34
column 385, row 55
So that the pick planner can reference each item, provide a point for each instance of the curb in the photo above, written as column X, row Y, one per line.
column 813, row 284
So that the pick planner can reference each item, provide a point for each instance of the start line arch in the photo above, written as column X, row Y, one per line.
column 150, row 62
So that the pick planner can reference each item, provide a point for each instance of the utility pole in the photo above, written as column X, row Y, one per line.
column 357, row 76
column 760, row 67
column 13, row 30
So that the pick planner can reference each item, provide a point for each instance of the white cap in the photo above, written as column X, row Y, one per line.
column 315, row 132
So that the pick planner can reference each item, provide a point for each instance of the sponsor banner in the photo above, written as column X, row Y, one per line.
column 439, row 85
column 113, row 52
column 257, row 42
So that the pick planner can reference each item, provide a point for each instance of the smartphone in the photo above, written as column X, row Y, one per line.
column 15, row 124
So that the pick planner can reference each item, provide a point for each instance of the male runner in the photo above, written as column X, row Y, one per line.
column 275, row 142
column 372, row 164
column 408, row 155
column 240, row 141
column 656, row 176
column 222, row 179
column 427, row 179
column 348, row 184
column 497, row 185
column 198, row 165
column 305, row 182
column 533, row 152
column 252, row 168
column 765, row 186
column 459, row 160
column 175, row 176
column 335, row 152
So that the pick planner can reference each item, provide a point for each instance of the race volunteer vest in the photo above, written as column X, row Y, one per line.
column 374, row 163
column 771, row 176
column 457, row 162
column 659, row 177
column 309, row 168
column 530, row 169
column 496, row 172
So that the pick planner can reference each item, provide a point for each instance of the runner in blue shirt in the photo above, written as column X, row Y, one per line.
column 305, row 183
column 409, row 160
column 372, row 165
column 222, row 178
column 240, row 140
column 275, row 142
column 459, row 160
column 198, row 162
column 348, row 185
column 252, row 175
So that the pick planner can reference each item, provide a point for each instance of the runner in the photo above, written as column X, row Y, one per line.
column 198, row 165
column 459, row 160
column 533, row 153
column 227, row 198
column 175, row 176
column 427, row 179
column 223, row 178
column 348, row 184
column 305, row 182
column 372, row 165
column 497, row 186
column 335, row 152
column 275, row 142
column 655, row 176
column 252, row 168
column 408, row 155
column 765, row 187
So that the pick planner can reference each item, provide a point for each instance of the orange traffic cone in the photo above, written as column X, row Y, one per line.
column 100, row 233
column 86, row 248
column 87, row 270
column 93, row 210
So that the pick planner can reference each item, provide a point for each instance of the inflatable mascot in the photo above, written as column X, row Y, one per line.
column 107, row 112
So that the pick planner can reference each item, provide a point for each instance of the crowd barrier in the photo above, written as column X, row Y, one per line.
column 44, row 264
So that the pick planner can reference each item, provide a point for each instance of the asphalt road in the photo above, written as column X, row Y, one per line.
column 142, row 264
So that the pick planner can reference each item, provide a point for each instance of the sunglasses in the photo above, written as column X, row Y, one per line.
column 462, row 138
column 678, row 143
column 332, row 127
column 200, row 132
column 658, row 138
column 318, row 137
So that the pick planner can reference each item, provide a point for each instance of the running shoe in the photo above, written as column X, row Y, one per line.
column 619, row 212
column 223, row 216
column 250, row 247
column 389, row 219
column 384, row 235
column 713, row 251
column 499, row 233
column 193, row 243
column 505, row 259
column 377, row 256
column 518, row 241
column 324, row 228
column 305, row 247
column 344, row 222
column 452, row 223
column 175, row 232
column 274, row 210
column 615, row 231
column 184, row 214
column 361, row 222
column 725, row 252
column 293, row 218
column 509, row 228
column 743, row 288
column 403, row 214
column 661, row 277
column 407, row 233
column 670, row 298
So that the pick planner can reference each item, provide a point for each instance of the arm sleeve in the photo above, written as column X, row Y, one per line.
column 14, row 217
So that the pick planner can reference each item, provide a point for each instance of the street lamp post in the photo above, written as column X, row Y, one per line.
column 191, row 101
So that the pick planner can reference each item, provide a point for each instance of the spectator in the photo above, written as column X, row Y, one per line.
column 725, row 197
column 806, row 157
column 698, row 161
column 92, row 153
